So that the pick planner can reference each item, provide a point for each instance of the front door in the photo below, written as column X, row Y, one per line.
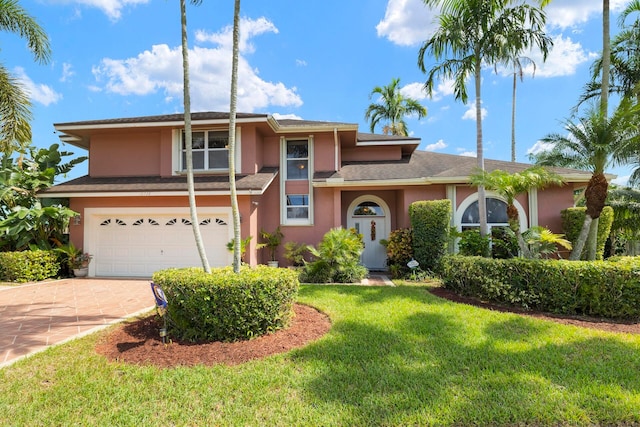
column 369, row 217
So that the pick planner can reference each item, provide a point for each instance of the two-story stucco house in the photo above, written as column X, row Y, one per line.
column 305, row 176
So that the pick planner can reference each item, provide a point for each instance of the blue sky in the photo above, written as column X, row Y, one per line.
column 315, row 60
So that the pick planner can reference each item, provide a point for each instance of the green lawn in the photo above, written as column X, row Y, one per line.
column 395, row 356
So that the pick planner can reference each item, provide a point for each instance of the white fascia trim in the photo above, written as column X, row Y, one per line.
column 415, row 142
column 329, row 127
column 62, row 128
column 148, row 194
column 339, row 182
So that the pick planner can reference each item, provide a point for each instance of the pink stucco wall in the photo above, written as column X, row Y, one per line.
column 131, row 153
column 372, row 154
column 550, row 202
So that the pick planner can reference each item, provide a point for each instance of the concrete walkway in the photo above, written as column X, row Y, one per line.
column 36, row 316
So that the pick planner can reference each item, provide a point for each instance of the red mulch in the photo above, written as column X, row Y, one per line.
column 139, row 342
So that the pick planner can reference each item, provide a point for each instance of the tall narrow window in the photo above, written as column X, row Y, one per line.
column 210, row 150
column 298, row 160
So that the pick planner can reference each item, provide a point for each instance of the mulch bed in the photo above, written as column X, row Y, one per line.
column 138, row 342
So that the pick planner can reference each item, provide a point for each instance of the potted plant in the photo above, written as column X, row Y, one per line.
column 272, row 241
column 77, row 260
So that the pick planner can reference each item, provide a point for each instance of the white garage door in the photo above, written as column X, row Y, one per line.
column 128, row 244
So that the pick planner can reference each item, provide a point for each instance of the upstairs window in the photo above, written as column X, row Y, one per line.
column 298, row 159
column 210, row 150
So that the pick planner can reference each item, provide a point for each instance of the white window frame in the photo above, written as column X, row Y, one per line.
column 179, row 169
column 284, row 207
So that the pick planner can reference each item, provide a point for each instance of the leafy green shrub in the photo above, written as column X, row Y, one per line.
column 430, row 221
column 399, row 247
column 336, row 260
column 295, row 253
column 572, row 220
column 504, row 244
column 595, row 288
column 228, row 306
column 472, row 243
column 28, row 266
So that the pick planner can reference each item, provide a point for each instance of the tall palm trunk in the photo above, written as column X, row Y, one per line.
column 232, row 140
column 482, row 201
column 195, row 225
column 595, row 195
column 513, row 115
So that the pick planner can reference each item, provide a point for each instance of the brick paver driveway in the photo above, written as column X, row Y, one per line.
column 36, row 316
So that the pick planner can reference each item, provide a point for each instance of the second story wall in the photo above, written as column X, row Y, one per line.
column 125, row 153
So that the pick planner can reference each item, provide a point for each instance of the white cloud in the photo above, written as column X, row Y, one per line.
column 440, row 145
column 414, row 90
column 470, row 114
column 563, row 59
column 540, row 147
column 67, row 72
column 279, row 116
column 160, row 69
column 40, row 93
column 468, row 154
column 249, row 29
column 407, row 22
column 569, row 13
column 301, row 63
column 111, row 8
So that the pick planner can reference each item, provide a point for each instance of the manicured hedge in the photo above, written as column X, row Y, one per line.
column 430, row 222
column 225, row 306
column 28, row 266
column 595, row 288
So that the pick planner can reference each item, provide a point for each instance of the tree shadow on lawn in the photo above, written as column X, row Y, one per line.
column 432, row 368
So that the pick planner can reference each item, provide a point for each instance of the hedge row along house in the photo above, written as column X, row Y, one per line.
column 304, row 176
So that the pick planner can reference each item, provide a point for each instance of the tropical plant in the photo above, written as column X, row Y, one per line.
column 392, row 107
column 25, row 219
column 75, row 257
column 594, row 143
column 15, row 130
column 473, row 33
column 624, row 60
column 243, row 245
column 295, row 253
column 510, row 185
column 543, row 243
column 336, row 259
column 272, row 241
column 626, row 221
column 188, row 138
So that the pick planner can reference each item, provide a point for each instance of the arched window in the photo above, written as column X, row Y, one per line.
column 368, row 208
column 496, row 214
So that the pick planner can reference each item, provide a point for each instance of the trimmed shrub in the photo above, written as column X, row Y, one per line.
column 572, row 220
column 595, row 288
column 399, row 252
column 472, row 243
column 28, row 266
column 228, row 306
column 336, row 260
column 430, row 221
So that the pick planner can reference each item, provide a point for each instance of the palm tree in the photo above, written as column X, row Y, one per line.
column 624, row 60
column 509, row 186
column 15, row 130
column 594, row 143
column 518, row 71
column 237, row 252
column 477, row 32
column 393, row 108
column 195, row 224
